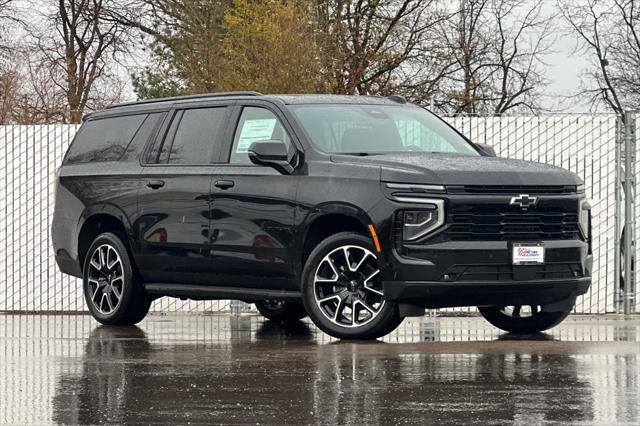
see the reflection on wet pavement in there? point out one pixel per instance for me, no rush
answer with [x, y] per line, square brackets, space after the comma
[240, 369]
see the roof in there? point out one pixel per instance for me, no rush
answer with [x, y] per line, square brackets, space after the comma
[164, 103]
[286, 98]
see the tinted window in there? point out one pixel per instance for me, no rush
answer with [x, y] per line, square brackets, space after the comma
[198, 136]
[255, 124]
[146, 131]
[103, 139]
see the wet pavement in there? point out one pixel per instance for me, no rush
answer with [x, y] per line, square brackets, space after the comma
[243, 370]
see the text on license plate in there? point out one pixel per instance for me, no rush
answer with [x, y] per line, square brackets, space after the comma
[527, 254]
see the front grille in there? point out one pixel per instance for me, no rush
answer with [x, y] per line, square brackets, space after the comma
[511, 189]
[495, 224]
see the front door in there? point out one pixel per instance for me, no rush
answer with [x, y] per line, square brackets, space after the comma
[174, 204]
[253, 208]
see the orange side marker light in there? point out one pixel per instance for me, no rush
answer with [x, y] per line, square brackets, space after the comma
[375, 238]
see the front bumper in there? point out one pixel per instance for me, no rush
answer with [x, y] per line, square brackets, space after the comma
[480, 274]
[433, 295]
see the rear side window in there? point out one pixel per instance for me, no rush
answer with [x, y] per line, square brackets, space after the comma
[145, 132]
[104, 139]
[197, 138]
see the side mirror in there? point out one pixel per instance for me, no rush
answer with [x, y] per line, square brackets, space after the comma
[486, 149]
[274, 153]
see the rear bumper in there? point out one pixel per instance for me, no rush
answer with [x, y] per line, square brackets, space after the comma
[430, 294]
[67, 264]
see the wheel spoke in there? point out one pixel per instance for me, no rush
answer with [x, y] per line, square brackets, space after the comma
[95, 264]
[333, 269]
[95, 292]
[345, 250]
[339, 308]
[102, 256]
[331, 297]
[116, 292]
[109, 302]
[366, 254]
[366, 306]
[367, 285]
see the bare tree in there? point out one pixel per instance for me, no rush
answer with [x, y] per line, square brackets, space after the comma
[80, 51]
[608, 31]
[9, 93]
[520, 49]
[497, 49]
[370, 44]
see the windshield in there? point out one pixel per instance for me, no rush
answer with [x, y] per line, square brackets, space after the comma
[376, 129]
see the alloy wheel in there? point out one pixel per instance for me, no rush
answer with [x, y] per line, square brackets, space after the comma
[347, 287]
[105, 279]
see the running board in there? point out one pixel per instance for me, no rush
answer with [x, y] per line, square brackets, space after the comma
[205, 292]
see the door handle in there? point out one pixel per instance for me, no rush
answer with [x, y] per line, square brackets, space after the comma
[155, 184]
[224, 184]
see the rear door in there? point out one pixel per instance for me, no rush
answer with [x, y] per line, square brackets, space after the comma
[174, 203]
[253, 207]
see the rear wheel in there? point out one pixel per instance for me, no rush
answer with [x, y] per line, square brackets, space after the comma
[113, 294]
[342, 289]
[279, 310]
[522, 318]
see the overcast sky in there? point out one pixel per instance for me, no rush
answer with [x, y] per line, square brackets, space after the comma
[564, 65]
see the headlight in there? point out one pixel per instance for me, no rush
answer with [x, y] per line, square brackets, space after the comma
[418, 223]
[585, 217]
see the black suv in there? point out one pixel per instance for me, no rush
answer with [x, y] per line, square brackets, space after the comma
[354, 210]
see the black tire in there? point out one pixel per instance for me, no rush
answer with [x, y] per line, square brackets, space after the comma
[103, 286]
[386, 317]
[280, 310]
[535, 323]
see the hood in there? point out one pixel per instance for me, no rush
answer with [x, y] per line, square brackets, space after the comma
[451, 169]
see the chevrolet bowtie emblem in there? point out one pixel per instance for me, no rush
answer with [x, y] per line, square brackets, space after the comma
[524, 201]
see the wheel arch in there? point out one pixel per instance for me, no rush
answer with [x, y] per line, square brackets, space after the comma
[329, 219]
[99, 219]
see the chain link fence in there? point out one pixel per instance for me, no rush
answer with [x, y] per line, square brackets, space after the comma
[29, 156]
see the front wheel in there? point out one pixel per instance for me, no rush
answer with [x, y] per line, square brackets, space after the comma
[342, 289]
[522, 318]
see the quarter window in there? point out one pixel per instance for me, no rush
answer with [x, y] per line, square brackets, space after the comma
[103, 139]
[198, 136]
[255, 124]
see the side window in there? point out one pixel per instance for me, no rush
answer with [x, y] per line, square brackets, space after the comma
[198, 136]
[255, 124]
[103, 139]
[144, 133]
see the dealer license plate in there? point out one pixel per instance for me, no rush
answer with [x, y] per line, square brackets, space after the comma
[527, 254]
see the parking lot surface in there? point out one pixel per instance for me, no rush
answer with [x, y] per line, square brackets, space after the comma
[241, 369]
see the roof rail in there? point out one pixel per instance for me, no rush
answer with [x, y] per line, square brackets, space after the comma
[397, 98]
[184, 98]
